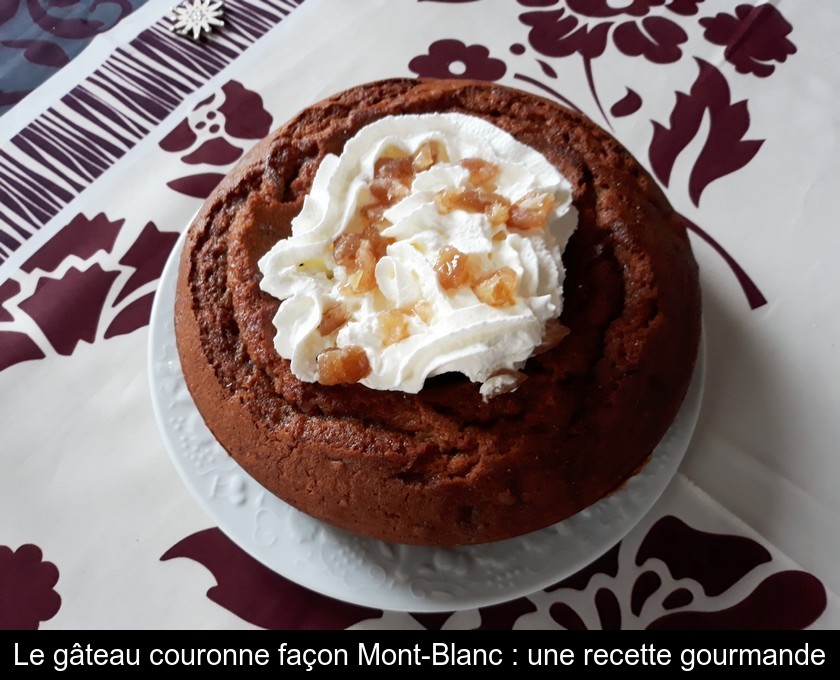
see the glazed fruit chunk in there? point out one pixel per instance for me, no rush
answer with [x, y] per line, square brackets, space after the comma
[498, 288]
[472, 199]
[453, 268]
[333, 318]
[531, 211]
[482, 173]
[359, 253]
[393, 325]
[342, 366]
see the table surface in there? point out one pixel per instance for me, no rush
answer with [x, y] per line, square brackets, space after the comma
[113, 129]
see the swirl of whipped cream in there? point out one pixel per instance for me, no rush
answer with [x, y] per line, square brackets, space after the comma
[442, 329]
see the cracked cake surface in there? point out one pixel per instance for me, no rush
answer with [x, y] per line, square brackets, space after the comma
[444, 466]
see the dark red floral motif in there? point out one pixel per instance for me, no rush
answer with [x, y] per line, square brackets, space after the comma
[606, 603]
[602, 8]
[216, 151]
[645, 586]
[133, 316]
[681, 597]
[8, 289]
[454, 59]
[608, 608]
[754, 36]
[655, 38]
[198, 186]
[258, 595]
[786, 599]
[27, 596]
[717, 562]
[636, 8]
[503, 616]
[684, 7]
[81, 236]
[566, 617]
[239, 115]
[68, 307]
[725, 149]
[584, 27]
[628, 104]
[146, 256]
[557, 33]
[16, 348]
[755, 297]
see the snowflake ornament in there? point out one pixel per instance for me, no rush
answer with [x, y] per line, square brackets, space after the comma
[197, 17]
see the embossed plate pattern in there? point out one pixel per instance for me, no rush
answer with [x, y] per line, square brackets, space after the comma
[373, 573]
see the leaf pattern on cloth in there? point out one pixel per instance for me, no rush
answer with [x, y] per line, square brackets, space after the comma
[197, 186]
[88, 282]
[8, 289]
[725, 149]
[27, 582]
[16, 347]
[216, 151]
[81, 237]
[146, 256]
[130, 318]
[619, 595]
[67, 309]
[627, 105]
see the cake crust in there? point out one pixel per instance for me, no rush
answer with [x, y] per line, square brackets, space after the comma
[442, 467]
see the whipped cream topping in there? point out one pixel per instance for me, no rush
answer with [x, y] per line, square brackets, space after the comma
[449, 287]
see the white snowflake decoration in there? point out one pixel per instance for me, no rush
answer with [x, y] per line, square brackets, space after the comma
[197, 17]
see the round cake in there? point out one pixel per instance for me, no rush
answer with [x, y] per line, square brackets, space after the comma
[444, 464]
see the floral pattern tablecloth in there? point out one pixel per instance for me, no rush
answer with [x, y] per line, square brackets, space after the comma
[733, 107]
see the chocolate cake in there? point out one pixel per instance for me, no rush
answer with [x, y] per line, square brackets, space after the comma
[446, 466]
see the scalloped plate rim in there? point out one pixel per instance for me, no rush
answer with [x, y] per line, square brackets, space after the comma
[574, 542]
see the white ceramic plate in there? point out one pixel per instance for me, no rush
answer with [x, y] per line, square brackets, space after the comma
[370, 572]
